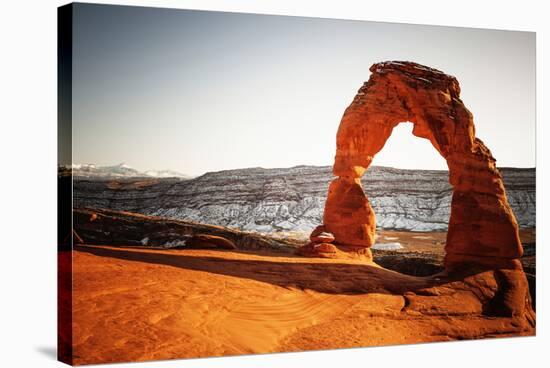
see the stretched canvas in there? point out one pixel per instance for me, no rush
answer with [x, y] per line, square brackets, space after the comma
[243, 183]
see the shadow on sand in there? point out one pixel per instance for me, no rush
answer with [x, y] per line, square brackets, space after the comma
[325, 277]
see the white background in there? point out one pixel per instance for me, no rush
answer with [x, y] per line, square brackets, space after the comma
[28, 181]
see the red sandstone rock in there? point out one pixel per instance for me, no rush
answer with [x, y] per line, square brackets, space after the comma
[318, 230]
[348, 213]
[323, 250]
[327, 250]
[320, 235]
[209, 241]
[482, 227]
[322, 238]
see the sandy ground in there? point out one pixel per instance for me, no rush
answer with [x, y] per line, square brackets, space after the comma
[135, 304]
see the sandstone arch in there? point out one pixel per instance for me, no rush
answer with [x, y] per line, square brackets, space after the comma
[482, 228]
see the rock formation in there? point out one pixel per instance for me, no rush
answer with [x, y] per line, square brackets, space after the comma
[321, 246]
[482, 228]
[115, 228]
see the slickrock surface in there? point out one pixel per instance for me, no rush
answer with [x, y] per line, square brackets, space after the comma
[136, 301]
[421, 254]
[293, 199]
[482, 227]
[144, 303]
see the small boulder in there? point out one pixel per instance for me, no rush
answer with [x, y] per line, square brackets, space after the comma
[322, 250]
[325, 248]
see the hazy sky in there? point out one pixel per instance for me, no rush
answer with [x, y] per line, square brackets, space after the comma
[206, 91]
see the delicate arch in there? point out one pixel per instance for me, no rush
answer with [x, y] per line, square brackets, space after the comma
[482, 227]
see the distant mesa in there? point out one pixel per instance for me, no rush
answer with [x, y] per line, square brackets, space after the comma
[292, 200]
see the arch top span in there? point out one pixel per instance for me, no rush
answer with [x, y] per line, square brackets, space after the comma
[482, 227]
[396, 92]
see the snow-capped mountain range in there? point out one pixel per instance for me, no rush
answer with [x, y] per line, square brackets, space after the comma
[121, 171]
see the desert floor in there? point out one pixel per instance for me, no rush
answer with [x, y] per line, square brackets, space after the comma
[135, 304]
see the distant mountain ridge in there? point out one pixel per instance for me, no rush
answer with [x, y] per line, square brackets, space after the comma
[120, 171]
[293, 199]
